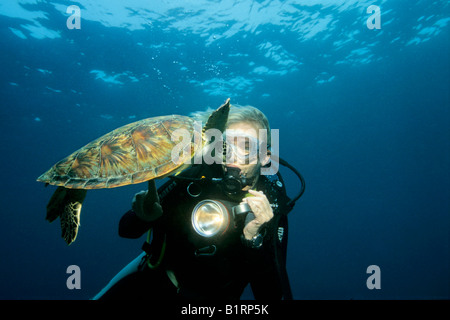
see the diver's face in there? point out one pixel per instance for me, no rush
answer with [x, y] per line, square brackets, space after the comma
[240, 137]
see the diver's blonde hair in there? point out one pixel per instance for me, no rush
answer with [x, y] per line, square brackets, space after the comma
[239, 114]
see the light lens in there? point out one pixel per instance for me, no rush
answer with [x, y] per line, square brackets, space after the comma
[209, 218]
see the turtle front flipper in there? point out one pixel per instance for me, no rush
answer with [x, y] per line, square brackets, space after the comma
[66, 204]
[218, 118]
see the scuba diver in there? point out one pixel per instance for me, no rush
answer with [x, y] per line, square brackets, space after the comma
[212, 229]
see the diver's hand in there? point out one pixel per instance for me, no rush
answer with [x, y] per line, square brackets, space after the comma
[146, 203]
[261, 209]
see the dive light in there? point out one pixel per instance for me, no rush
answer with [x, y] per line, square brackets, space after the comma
[212, 217]
[209, 218]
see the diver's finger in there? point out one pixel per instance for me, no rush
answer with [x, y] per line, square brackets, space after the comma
[138, 199]
[258, 194]
[152, 193]
[151, 185]
[140, 195]
[262, 210]
[263, 201]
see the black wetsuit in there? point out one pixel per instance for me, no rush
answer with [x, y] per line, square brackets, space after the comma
[198, 273]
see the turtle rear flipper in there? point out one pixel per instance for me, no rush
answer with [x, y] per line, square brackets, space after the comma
[70, 221]
[66, 204]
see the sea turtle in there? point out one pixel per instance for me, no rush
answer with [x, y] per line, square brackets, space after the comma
[134, 153]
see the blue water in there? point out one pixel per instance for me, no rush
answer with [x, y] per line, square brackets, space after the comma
[362, 113]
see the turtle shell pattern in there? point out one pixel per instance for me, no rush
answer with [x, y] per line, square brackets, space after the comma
[134, 153]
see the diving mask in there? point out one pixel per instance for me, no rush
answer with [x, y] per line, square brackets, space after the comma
[240, 147]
